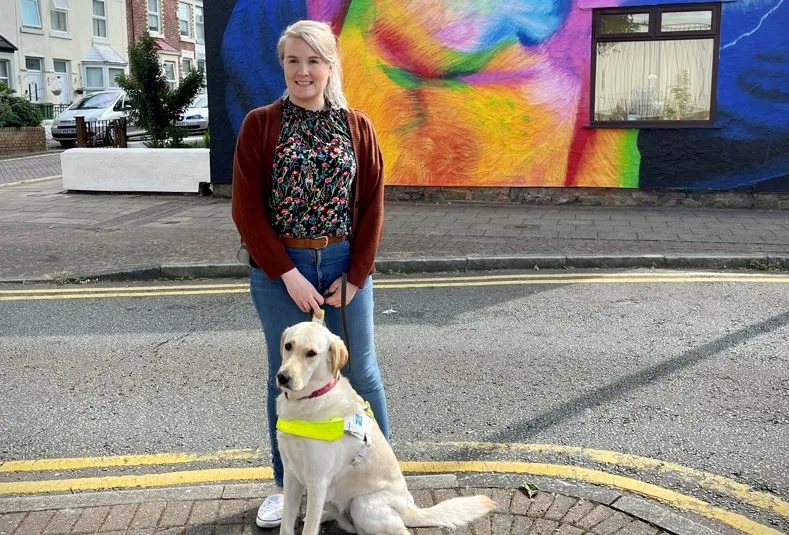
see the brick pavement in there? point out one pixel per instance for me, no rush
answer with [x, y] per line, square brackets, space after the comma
[516, 513]
[16, 168]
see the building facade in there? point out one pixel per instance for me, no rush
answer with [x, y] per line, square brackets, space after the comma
[53, 51]
[630, 94]
[178, 28]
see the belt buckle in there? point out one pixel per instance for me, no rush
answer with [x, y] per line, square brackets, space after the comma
[325, 240]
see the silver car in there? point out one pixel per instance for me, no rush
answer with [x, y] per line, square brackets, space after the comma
[101, 106]
[195, 117]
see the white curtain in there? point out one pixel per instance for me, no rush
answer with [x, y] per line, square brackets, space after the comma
[655, 80]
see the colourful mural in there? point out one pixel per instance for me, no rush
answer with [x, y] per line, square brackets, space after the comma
[496, 93]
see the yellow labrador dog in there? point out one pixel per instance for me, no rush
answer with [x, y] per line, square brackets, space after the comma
[332, 449]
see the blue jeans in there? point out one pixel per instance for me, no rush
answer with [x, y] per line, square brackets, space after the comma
[277, 311]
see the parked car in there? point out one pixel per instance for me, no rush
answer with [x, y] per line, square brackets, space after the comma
[195, 117]
[101, 106]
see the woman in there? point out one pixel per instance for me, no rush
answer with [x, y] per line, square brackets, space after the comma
[308, 204]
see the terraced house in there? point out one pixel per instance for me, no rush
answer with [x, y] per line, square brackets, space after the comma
[53, 51]
[178, 26]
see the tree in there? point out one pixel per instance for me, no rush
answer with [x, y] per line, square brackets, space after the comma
[154, 106]
[683, 99]
[17, 111]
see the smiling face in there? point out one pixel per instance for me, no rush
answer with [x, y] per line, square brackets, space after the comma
[306, 74]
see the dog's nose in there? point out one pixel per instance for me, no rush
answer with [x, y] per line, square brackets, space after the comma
[283, 378]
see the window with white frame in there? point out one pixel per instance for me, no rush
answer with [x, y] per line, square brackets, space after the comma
[99, 18]
[99, 77]
[5, 72]
[60, 66]
[184, 19]
[94, 78]
[169, 73]
[186, 66]
[58, 15]
[201, 65]
[33, 64]
[31, 15]
[113, 74]
[58, 20]
[154, 20]
[199, 25]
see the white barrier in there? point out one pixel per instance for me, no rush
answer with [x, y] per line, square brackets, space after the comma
[135, 170]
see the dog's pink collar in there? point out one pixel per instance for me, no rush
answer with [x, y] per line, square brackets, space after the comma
[322, 390]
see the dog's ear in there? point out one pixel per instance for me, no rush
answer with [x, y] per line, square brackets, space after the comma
[282, 343]
[339, 355]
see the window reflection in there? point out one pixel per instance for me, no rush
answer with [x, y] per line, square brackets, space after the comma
[625, 23]
[653, 80]
[686, 21]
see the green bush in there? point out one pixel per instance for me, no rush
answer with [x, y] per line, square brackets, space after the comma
[176, 135]
[17, 111]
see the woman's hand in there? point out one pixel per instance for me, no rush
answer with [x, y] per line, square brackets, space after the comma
[301, 291]
[334, 293]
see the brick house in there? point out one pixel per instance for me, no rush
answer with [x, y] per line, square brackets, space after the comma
[178, 28]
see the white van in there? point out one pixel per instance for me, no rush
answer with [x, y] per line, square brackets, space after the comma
[101, 106]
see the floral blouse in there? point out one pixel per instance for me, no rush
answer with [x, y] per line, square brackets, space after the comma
[314, 169]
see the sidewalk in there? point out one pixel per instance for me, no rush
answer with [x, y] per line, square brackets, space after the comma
[48, 234]
[556, 508]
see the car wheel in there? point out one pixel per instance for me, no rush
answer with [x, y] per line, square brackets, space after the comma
[67, 144]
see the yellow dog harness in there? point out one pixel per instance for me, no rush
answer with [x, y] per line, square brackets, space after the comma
[359, 424]
[327, 430]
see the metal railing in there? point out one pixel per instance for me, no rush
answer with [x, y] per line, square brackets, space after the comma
[101, 133]
[50, 111]
[58, 108]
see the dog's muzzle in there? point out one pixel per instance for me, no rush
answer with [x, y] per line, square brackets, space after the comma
[282, 379]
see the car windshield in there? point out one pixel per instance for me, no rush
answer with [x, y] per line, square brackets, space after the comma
[97, 101]
[200, 101]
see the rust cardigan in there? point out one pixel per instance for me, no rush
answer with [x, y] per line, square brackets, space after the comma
[252, 170]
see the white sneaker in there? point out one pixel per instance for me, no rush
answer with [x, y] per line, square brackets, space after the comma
[270, 511]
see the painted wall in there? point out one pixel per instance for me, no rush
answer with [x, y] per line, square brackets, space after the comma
[496, 93]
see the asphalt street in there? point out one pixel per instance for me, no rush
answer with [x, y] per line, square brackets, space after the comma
[655, 364]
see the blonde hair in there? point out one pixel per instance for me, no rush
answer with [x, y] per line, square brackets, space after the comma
[319, 36]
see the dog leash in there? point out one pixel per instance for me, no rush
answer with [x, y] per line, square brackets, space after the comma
[343, 305]
[343, 313]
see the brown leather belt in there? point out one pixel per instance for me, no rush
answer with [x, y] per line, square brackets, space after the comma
[311, 243]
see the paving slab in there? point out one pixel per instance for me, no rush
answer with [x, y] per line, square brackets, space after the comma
[50, 234]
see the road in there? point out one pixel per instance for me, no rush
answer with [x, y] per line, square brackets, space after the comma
[689, 369]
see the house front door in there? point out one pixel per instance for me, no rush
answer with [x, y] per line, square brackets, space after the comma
[61, 82]
[33, 87]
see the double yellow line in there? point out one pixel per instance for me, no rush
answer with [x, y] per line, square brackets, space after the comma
[639, 277]
[719, 484]
[36, 294]
[383, 283]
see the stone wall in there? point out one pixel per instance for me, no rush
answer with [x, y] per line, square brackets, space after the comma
[592, 197]
[22, 139]
[578, 196]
